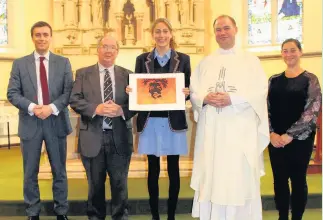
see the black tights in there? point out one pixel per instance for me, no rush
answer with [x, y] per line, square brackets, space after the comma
[174, 184]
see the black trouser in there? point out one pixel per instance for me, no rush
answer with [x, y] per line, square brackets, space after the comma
[117, 166]
[291, 162]
[174, 184]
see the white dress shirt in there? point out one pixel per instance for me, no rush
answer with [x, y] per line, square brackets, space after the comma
[39, 89]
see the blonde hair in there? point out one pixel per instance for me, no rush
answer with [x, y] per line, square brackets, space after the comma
[172, 43]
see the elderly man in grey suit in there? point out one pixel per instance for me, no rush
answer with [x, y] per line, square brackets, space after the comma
[39, 86]
[105, 137]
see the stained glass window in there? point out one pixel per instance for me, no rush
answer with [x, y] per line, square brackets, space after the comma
[259, 22]
[3, 23]
[287, 16]
[289, 20]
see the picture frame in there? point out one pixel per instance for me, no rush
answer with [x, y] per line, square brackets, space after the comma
[156, 92]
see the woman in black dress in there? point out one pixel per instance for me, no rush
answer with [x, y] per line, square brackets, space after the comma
[294, 100]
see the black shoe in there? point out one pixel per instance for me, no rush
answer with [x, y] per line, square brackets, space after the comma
[62, 217]
[33, 217]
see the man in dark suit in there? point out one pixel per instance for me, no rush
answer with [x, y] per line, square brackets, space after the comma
[39, 86]
[105, 138]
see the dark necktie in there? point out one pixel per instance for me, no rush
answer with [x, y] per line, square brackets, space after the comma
[108, 93]
[43, 81]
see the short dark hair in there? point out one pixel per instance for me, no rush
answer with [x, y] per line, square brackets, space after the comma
[226, 16]
[40, 24]
[295, 41]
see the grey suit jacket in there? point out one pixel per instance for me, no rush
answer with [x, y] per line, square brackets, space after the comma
[86, 96]
[22, 90]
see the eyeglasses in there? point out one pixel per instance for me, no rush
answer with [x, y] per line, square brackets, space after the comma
[108, 47]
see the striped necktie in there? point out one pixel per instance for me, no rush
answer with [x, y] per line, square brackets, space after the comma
[108, 93]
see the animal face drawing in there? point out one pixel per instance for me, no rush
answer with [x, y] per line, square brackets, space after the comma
[155, 87]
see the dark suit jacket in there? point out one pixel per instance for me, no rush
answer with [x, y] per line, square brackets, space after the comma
[22, 90]
[86, 96]
[179, 62]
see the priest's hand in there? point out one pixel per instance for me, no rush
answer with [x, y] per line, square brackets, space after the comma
[286, 139]
[222, 99]
[186, 91]
[276, 140]
[128, 89]
[210, 99]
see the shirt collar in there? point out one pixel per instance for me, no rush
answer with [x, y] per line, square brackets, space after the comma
[102, 68]
[229, 51]
[167, 54]
[37, 55]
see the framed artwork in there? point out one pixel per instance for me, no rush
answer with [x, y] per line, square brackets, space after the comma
[156, 92]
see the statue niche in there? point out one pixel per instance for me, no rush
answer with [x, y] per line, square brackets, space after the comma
[129, 25]
[100, 13]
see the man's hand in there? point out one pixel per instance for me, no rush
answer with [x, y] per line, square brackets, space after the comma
[218, 99]
[37, 110]
[276, 140]
[109, 109]
[186, 91]
[286, 139]
[100, 109]
[46, 111]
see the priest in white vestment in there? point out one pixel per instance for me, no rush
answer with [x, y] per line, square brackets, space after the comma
[228, 94]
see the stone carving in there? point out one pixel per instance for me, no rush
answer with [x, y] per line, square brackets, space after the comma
[72, 35]
[129, 31]
[97, 13]
[184, 12]
[81, 22]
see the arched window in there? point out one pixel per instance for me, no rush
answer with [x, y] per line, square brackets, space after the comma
[270, 22]
[3, 23]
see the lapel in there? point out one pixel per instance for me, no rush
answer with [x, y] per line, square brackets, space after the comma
[94, 78]
[150, 62]
[174, 62]
[51, 71]
[173, 66]
[31, 67]
[118, 83]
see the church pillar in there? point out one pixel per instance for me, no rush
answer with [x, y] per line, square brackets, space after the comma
[119, 17]
[70, 14]
[172, 13]
[198, 7]
[85, 14]
[140, 32]
[191, 9]
[58, 14]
